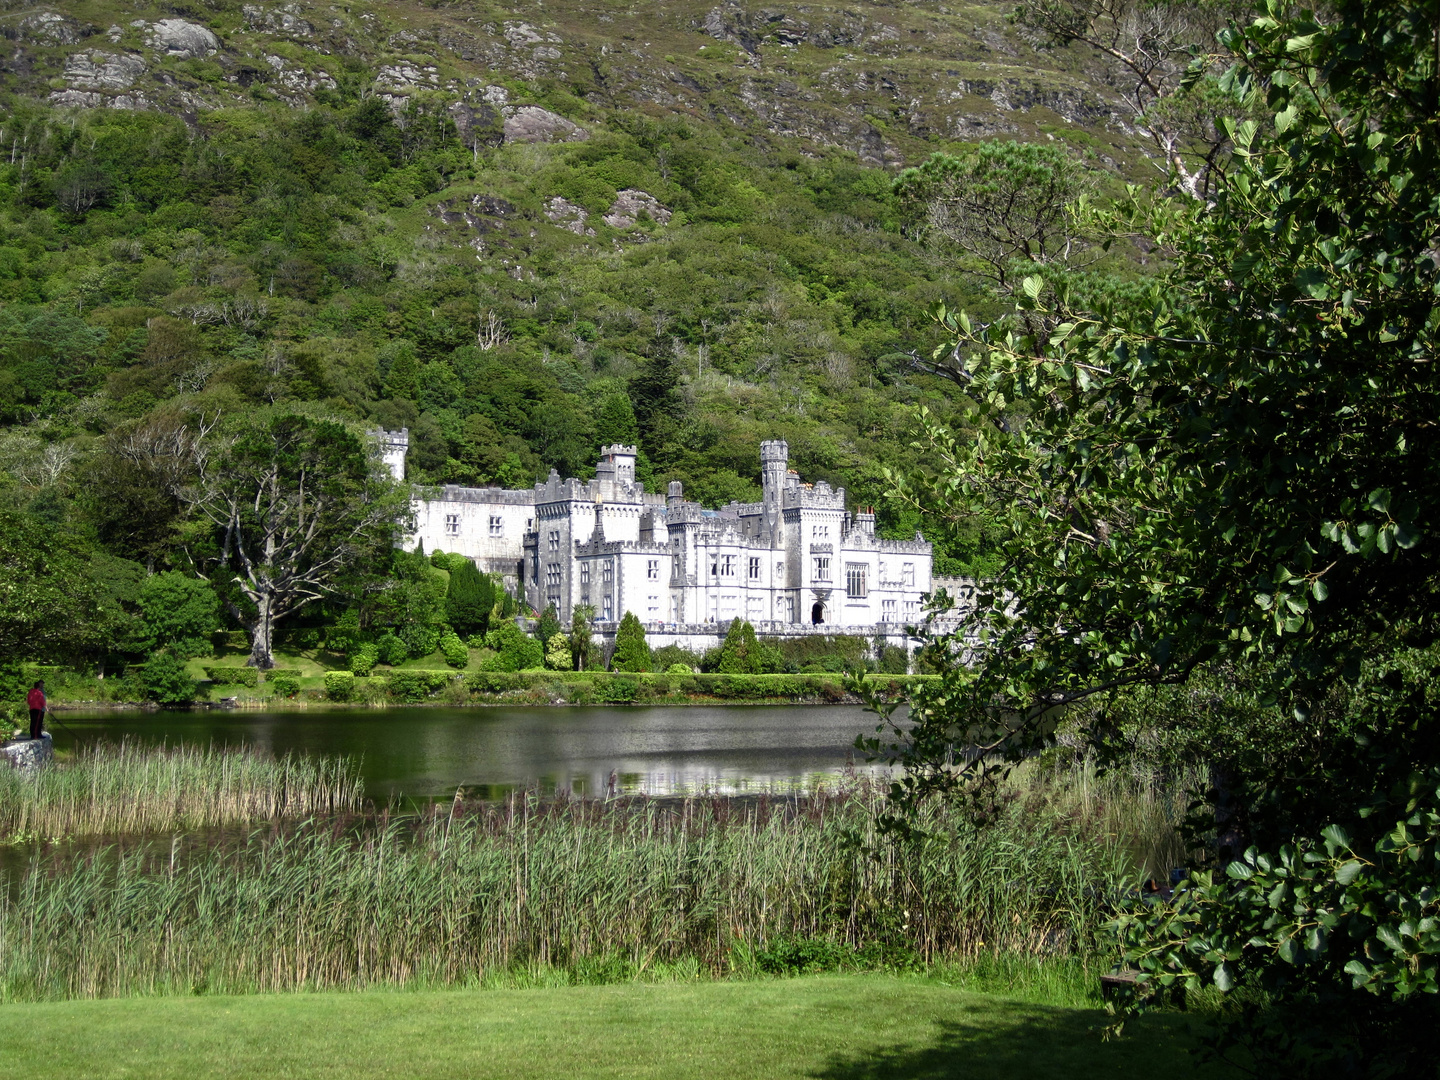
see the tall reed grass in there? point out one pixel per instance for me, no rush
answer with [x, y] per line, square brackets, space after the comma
[468, 891]
[110, 789]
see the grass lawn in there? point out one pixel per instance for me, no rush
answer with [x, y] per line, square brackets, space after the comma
[858, 1027]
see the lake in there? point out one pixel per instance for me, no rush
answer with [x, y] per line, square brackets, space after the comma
[427, 753]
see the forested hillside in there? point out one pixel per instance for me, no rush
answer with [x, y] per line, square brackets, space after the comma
[520, 232]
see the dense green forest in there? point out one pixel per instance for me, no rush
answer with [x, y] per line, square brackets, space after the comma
[215, 213]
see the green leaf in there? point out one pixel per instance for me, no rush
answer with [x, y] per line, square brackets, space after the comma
[1349, 871]
[1225, 978]
[1033, 286]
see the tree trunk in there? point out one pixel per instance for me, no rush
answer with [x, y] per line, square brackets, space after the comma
[261, 628]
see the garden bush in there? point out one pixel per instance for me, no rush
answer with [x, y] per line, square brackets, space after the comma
[233, 676]
[163, 679]
[363, 659]
[391, 650]
[416, 684]
[339, 685]
[456, 653]
[282, 673]
[284, 685]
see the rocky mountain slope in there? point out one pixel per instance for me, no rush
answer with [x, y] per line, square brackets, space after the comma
[884, 80]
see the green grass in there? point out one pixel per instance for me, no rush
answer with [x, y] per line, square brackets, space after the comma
[867, 1027]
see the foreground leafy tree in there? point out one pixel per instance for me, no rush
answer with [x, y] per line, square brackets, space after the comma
[632, 651]
[1241, 470]
[287, 509]
[740, 652]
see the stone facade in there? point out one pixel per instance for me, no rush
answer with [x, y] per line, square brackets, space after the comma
[795, 563]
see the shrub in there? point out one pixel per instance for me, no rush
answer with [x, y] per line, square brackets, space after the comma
[514, 650]
[362, 660]
[632, 652]
[616, 691]
[391, 650]
[803, 956]
[163, 679]
[339, 685]
[233, 676]
[557, 652]
[457, 655]
[421, 639]
[284, 685]
[345, 636]
[680, 669]
[415, 685]
[282, 673]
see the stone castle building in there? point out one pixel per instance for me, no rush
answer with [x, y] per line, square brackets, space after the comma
[796, 562]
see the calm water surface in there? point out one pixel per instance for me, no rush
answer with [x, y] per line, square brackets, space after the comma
[428, 753]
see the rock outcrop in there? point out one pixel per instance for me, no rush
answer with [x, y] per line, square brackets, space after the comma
[28, 754]
[181, 39]
[532, 124]
[567, 215]
[630, 204]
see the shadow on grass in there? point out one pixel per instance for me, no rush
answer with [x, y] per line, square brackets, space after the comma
[1033, 1041]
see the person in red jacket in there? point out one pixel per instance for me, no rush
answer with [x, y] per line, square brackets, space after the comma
[36, 700]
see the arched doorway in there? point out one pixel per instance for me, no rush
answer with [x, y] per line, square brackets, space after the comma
[817, 613]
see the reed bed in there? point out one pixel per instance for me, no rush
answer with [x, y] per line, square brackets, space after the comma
[110, 789]
[467, 892]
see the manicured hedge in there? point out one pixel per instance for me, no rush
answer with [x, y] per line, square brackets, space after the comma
[233, 676]
[282, 673]
[615, 687]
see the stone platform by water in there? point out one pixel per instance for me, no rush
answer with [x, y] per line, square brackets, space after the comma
[27, 754]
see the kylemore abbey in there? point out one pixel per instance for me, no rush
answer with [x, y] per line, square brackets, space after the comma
[796, 562]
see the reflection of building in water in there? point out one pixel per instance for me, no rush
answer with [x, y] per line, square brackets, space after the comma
[796, 562]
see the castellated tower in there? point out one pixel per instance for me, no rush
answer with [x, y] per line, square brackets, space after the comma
[617, 464]
[774, 460]
[393, 445]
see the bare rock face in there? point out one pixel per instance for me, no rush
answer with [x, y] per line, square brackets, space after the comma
[176, 37]
[629, 204]
[52, 28]
[28, 754]
[284, 20]
[568, 216]
[532, 124]
[103, 71]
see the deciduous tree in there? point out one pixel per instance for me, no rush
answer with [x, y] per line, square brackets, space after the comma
[286, 508]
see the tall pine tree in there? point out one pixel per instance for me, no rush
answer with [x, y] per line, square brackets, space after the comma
[469, 600]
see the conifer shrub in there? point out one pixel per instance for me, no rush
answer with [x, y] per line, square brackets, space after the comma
[549, 625]
[740, 652]
[632, 651]
[469, 598]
